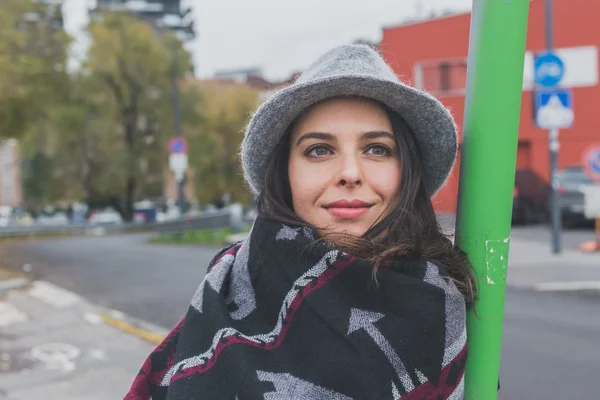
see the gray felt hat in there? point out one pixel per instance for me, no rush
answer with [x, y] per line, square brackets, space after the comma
[352, 70]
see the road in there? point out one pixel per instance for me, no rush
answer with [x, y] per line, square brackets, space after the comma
[550, 340]
[550, 346]
[125, 273]
[570, 239]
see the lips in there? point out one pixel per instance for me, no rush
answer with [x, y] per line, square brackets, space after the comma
[348, 204]
[346, 209]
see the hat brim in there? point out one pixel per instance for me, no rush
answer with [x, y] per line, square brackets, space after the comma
[431, 123]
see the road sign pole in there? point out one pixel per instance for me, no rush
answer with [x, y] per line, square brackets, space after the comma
[549, 26]
[177, 122]
[553, 147]
[487, 174]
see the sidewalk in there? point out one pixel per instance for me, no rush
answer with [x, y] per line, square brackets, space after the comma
[532, 265]
[56, 345]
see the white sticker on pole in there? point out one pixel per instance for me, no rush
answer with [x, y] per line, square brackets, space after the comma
[178, 163]
[496, 260]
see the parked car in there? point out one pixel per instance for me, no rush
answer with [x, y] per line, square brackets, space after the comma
[571, 181]
[107, 216]
[530, 198]
[57, 218]
[6, 216]
[144, 212]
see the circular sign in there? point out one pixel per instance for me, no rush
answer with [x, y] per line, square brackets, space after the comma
[549, 69]
[177, 145]
[591, 162]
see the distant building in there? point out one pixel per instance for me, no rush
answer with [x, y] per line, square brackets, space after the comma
[254, 78]
[162, 14]
[270, 88]
[432, 55]
[47, 10]
[240, 75]
[149, 8]
[11, 193]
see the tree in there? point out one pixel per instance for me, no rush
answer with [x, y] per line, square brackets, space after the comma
[131, 61]
[33, 57]
[215, 143]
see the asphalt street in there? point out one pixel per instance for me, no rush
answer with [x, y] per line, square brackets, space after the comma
[550, 341]
[125, 273]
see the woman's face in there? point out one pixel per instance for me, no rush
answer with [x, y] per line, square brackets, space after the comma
[344, 166]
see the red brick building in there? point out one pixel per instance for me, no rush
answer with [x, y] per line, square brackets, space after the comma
[432, 55]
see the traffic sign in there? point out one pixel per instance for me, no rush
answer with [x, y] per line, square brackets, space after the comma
[549, 69]
[178, 163]
[554, 109]
[591, 162]
[177, 145]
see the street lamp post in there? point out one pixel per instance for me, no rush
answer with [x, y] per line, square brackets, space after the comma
[177, 123]
[185, 32]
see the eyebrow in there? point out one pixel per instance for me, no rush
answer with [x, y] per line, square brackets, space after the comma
[377, 135]
[315, 135]
[328, 136]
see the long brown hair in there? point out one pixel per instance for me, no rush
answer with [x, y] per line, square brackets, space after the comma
[409, 230]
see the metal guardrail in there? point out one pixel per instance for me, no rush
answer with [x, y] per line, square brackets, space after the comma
[220, 219]
[214, 219]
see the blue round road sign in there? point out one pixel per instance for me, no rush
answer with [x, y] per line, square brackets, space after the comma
[591, 162]
[177, 145]
[549, 69]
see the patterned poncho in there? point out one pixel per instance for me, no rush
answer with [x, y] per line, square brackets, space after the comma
[280, 316]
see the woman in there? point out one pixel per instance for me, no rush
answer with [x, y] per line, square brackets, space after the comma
[346, 288]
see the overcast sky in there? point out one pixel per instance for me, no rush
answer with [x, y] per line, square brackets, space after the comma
[280, 37]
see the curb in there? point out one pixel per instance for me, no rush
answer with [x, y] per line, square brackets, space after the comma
[116, 319]
[13, 284]
[143, 330]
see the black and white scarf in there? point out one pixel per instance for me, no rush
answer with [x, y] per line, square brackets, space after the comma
[279, 318]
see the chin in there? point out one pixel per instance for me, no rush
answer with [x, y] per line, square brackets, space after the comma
[349, 229]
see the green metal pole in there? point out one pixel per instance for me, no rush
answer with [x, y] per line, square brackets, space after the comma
[488, 162]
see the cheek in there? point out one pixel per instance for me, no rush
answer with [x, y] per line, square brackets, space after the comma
[306, 184]
[385, 180]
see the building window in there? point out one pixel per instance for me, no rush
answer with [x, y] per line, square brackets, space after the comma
[444, 71]
[442, 78]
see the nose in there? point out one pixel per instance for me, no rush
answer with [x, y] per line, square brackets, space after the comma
[350, 172]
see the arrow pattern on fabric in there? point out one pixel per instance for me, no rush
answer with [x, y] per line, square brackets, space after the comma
[360, 319]
[288, 387]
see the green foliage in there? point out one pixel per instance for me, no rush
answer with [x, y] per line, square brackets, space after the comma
[215, 143]
[106, 140]
[100, 134]
[205, 237]
[33, 57]
[130, 63]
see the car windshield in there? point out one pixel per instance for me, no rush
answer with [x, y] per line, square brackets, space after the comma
[573, 175]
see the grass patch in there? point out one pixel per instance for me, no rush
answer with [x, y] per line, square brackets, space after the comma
[205, 237]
